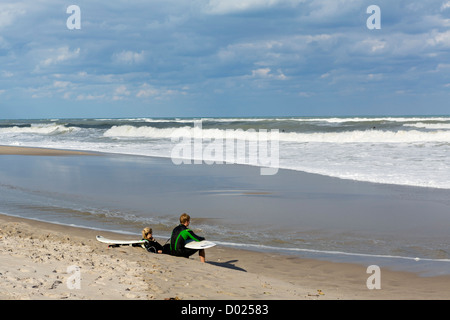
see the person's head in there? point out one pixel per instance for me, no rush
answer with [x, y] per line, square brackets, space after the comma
[147, 233]
[185, 219]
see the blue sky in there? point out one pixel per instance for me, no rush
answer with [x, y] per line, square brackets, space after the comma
[223, 58]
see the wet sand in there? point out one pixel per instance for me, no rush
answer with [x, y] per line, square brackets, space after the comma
[5, 150]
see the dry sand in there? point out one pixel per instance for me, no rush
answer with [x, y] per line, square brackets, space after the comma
[35, 258]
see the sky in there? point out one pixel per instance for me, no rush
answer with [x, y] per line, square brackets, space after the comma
[195, 58]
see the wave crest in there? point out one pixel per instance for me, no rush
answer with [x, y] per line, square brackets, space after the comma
[50, 129]
[357, 136]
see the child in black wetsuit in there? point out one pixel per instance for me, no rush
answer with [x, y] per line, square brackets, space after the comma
[151, 244]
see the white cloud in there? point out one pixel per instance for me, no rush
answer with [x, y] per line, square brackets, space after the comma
[239, 50]
[375, 76]
[231, 6]
[41, 92]
[7, 74]
[442, 67]
[9, 13]
[305, 43]
[274, 51]
[370, 46]
[61, 84]
[58, 55]
[440, 38]
[261, 73]
[445, 6]
[265, 73]
[129, 57]
[121, 92]
[327, 9]
[147, 91]
[306, 94]
[82, 97]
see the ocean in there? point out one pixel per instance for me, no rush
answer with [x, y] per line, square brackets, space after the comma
[345, 188]
[412, 151]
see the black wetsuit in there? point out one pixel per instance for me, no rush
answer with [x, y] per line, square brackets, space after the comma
[153, 246]
[178, 240]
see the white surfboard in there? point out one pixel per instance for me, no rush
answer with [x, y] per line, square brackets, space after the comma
[205, 244]
[191, 244]
[119, 242]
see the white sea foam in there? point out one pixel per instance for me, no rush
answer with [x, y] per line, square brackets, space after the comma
[434, 126]
[129, 131]
[357, 136]
[368, 136]
[365, 119]
[399, 150]
[38, 129]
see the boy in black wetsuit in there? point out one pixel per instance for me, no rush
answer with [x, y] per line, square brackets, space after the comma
[179, 236]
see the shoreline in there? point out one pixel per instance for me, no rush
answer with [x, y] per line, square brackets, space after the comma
[36, 256]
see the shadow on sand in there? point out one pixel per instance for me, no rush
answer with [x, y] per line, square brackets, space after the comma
[227, 264]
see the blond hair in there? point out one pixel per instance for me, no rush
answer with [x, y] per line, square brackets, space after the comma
[184, 217]
[146, 231]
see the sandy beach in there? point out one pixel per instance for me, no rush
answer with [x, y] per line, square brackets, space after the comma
[49, 261]
[36, 258]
